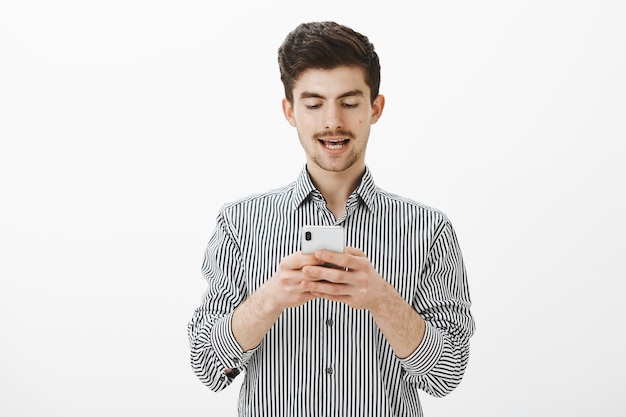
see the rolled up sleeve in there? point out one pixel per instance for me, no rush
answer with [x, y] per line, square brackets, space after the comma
[213, 348]
[443, 300]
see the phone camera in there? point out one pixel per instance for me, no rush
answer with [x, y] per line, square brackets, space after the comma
[307, 235]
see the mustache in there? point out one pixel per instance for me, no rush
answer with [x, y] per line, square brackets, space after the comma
[338, 132]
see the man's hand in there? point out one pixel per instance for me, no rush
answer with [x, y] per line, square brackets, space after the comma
[284, 289]
[355, 282]
[253, 319]
[358, 285]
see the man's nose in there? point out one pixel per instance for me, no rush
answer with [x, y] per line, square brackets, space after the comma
[332, 117]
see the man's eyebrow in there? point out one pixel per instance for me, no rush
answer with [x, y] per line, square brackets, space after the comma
[351, 93]
[306, 94]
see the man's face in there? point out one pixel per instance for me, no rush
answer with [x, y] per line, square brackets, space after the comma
[333, 114]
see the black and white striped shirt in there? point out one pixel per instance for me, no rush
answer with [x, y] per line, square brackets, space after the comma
[325, 358]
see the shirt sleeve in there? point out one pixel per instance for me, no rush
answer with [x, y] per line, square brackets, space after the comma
[212, 344]
[443, 300]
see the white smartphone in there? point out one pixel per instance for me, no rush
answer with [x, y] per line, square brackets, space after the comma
[314, 238]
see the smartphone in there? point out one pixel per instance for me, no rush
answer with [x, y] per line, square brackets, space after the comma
[314, 238]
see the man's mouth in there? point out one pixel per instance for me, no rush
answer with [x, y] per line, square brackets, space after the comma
[334, 144]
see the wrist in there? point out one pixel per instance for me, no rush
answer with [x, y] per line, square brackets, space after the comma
[386, 301]
[265, 304]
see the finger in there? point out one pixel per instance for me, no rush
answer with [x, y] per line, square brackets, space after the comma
[354, 251]
[314, 273]
[324, 273]
[297, 260]
[337, 259]
[325, 289]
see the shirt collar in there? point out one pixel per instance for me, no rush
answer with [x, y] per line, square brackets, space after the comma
[365, 192]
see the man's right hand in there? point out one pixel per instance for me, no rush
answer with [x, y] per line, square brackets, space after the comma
[253, 319]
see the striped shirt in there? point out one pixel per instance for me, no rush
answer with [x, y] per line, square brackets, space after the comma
[325, 358]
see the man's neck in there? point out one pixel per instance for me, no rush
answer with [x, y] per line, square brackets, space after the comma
[336, 187]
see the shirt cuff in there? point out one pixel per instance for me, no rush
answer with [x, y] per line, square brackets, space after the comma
[226, 348]
[427, 354]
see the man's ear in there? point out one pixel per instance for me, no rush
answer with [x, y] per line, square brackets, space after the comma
[288, 112]
[377, 108]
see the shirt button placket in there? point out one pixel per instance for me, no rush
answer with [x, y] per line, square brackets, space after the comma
[330, 339]
[331, 359]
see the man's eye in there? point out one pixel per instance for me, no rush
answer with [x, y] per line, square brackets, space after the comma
[314, 106]
[350, 105]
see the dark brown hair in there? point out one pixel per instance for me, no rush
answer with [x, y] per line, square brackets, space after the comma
[326, 45]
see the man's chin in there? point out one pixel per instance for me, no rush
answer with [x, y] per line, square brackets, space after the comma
[337, 167]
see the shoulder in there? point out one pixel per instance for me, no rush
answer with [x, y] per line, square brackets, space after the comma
[391, 204]
[272, 200]
[406, 205]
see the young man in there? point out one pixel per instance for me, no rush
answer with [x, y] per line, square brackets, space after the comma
[359, 340]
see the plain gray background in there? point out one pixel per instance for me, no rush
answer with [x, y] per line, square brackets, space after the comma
[125, 125]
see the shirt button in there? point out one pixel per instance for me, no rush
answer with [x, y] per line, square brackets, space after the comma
[329, 371]
[329, 322]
